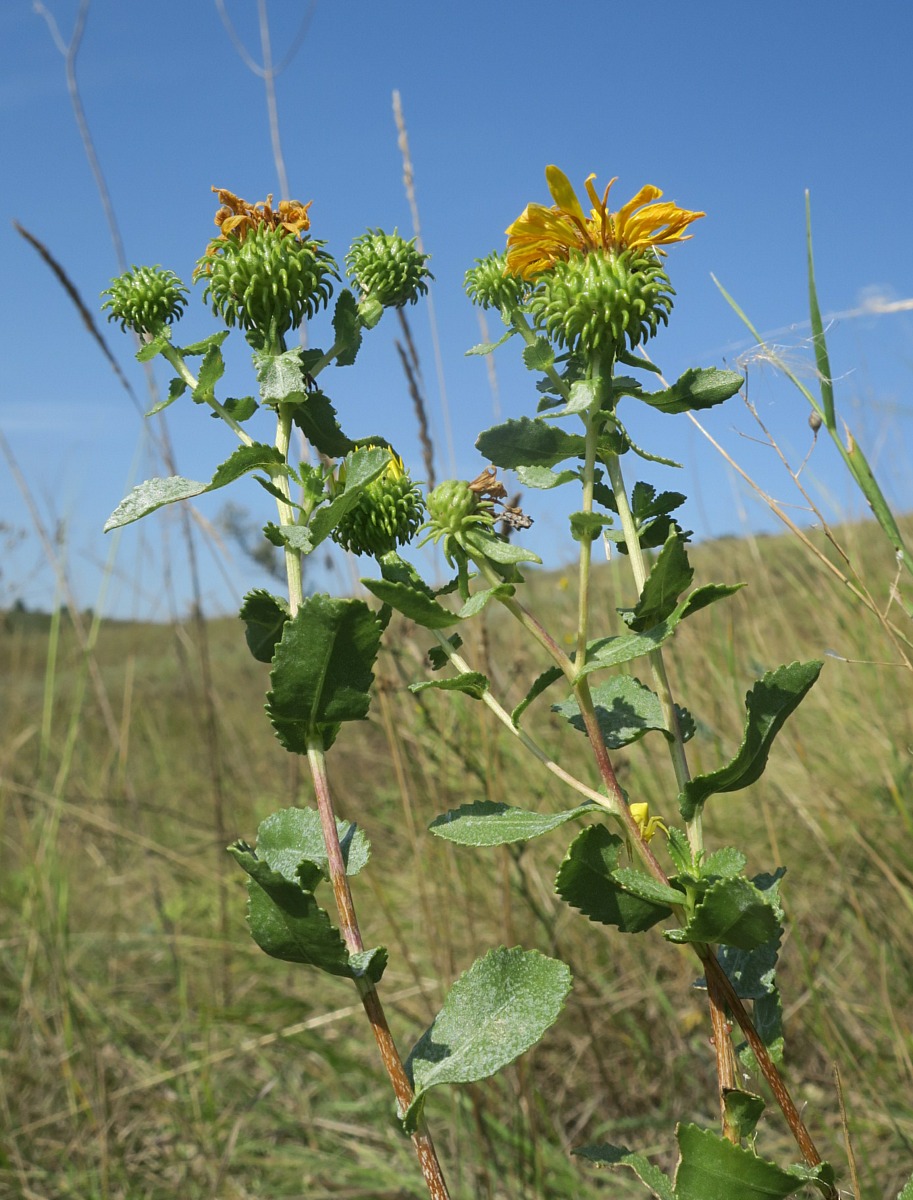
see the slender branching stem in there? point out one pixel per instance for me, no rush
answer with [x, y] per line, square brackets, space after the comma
[656, 660]
[348, 922]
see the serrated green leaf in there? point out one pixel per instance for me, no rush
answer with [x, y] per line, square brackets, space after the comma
[605, 1154]
[732, 912]
[528, 442]
[646, 887]
[176, 388]
[478, 600]
[584, 397]
[612, 651]
[315, 416]
[494, 1012]
[490, 347]
[438, 657]
[298, 537]
[156, 493]
[347, 327]
[543, 478]
[588, 525]
[264, 616]
[363, 466]
[150, 349]
[726, 862]
[712, 1168]
[286, 921]
[212, 368]
[680, 851]
[645, 503]
[412, 603]
[767, 1016]
[287, 838]
[698, 388]
[670, 575]
[768, 705]
[195, 349]
[625, 711]
[539, 356]
[470, 683]
[545, 680]
[489, 545]
[239, 408]
[493, 824]
[280, 376]
[906, 1193]
[743, 1110]
[322, 670]
[585, 882]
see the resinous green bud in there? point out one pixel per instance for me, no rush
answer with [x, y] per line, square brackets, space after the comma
[595, 301]
[267, 283]
[490, 285]
[388, 269]
[146, 299]
[387, 514]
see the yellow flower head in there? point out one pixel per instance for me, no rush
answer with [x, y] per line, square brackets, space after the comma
[542, 236]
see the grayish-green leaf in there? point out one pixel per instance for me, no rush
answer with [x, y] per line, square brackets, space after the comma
[539, 356]
[291, 836]
[699, 387]
[493, 1013]
[155, 493]
[529, 442]
[544, 478]
[493, 824]
[478, 600]
[625, 711]
[646, 887]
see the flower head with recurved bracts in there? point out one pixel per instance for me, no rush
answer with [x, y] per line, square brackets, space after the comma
[263, 272]
[541, 237]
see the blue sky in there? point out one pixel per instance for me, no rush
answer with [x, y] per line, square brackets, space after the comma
[731, 108]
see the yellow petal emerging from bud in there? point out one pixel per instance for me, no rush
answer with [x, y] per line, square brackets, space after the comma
[542, 236]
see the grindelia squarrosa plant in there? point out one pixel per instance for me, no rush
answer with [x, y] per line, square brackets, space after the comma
[579, 290]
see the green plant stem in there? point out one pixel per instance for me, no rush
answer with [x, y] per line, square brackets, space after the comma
[172, 355]
[586, 542]
[293, 569]
[609, 803]
[393, 1064]
[348, 921]
[657, 662]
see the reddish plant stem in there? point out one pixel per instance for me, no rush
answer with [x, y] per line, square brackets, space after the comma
[713, 971]
[725, 1055]
[393, 1064]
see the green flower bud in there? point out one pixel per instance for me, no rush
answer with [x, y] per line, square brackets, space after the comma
[146, 299]
[490, 285]
[454, 508]
[267, 282]
[386, 515]
[596, 300]
[387, 268]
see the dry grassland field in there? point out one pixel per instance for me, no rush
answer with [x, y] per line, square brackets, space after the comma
[151, 1051]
